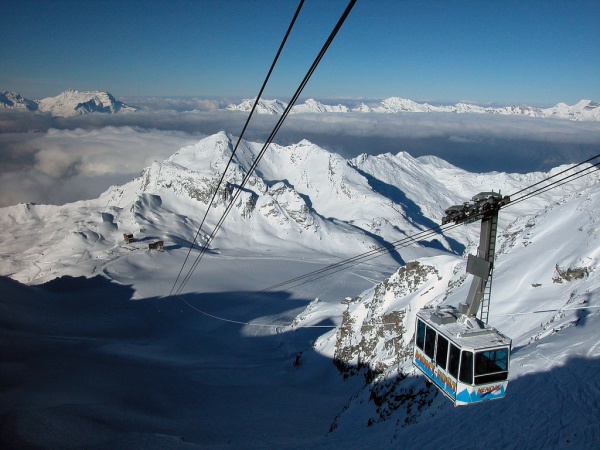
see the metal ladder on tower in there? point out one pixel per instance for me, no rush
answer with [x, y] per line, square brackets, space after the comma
[487, 292]
[485, 303]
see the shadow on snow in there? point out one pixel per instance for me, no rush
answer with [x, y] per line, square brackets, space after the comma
[81, 359]
[83, 364]
[412, 212]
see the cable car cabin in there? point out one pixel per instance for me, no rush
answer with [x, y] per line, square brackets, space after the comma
[465, 358]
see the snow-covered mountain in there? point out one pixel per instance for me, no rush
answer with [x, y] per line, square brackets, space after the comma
[73, 102]
[276, 107]
[12, 100]
[273, 107]
[313, 106]
[303, 208]
[583, 110]
[301, 197]
[68, 103]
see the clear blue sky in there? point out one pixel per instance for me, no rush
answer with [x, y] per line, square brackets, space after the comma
[539, 53]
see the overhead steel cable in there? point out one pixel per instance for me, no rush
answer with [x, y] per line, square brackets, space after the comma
[557, 174]
[309, 278]
[559, 183]
[327, 271]
[566, 179]
[371, 253]
[238, 141]
[345, 264]
[358, 259]
[374, 253]
[267, 143]
[268, 325]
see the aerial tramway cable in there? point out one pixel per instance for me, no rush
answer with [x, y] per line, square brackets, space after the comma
[238, 141]
[374, 253]
[556, 174]
[342, 265]
[250, 171]
[559, 182]
[351, 262]
[354, 261]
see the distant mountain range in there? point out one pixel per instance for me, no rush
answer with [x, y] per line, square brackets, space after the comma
[583, 110]
[73, 102]
[69, 103]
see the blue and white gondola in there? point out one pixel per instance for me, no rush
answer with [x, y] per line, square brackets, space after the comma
[467, 359]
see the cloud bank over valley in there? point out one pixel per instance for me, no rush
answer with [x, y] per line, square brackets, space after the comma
[45, 159]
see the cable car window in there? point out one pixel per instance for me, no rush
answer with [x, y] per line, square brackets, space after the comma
[466, 367]
[430, 342]
[420, 334]
[491, 366]
[454, 359]
[441, 354]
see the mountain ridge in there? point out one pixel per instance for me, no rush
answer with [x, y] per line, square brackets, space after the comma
[583, 110]
[68, 103]
[72, 102]
[301, 197]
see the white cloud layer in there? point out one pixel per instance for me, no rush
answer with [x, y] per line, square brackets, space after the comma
[57, 160]
[59, 166]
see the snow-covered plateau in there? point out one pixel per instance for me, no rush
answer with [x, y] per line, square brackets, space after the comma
[95, 354]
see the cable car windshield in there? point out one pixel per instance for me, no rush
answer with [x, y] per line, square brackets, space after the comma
[491, 366]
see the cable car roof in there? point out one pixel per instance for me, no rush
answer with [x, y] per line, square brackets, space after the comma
[469, 333]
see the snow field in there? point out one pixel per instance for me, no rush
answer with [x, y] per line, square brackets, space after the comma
[83, 364]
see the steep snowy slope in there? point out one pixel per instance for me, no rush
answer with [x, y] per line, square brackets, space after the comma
[545, 296]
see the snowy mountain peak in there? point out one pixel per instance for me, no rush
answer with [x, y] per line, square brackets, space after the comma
[272, 107]
[348, 205]
[397, 104]
[313, 106]
[12, 100]
[213, 153]
[277, 107]
[362, 108]
[73, 102]
[583, 110]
